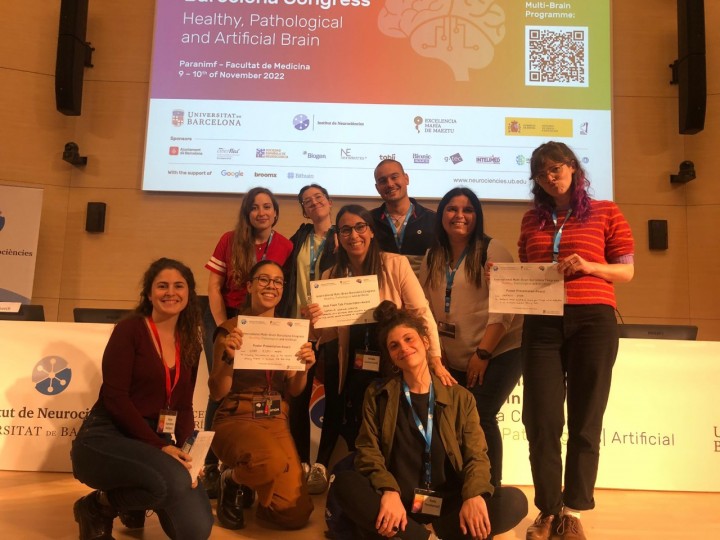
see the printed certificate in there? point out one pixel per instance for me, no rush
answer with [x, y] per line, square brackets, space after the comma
[530, 288]
[345, 301]
[271, 343]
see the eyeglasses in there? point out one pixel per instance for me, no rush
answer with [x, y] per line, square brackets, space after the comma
[264, 281]
[312, 201]
[360, 227]
[554, 171]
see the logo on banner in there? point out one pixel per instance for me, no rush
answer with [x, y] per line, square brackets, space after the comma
[51, 375]
[178, 117]
[317, 404]
[301, 122]
[2, 221]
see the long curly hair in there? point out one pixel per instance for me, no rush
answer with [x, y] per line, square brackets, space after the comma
[373, 260]
[243, 246]
[189, 324]
[546, 155]
[439, 255]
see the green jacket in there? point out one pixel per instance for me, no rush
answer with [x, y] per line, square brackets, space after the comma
[458, 424]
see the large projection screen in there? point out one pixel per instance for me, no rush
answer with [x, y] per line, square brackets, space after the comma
[283, 93]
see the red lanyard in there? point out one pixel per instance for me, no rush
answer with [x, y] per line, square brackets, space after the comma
[168, 387]
[268, 376]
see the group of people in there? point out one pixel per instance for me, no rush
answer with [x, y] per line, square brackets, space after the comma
[415, 394]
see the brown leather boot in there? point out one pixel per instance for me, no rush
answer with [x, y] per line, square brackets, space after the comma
[541, 529]
[570, 528]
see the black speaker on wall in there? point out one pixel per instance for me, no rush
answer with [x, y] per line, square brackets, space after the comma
[689, 68]
[95, 218]
[73, 55]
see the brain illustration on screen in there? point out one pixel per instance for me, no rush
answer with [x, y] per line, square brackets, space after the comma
[461, 33]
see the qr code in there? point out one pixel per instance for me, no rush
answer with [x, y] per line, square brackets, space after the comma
[556, 56]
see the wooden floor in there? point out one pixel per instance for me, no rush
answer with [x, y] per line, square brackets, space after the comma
[35, 506]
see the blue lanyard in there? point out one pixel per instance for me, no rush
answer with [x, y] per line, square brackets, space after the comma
[399, 237]
[267, 246]
[450, 278]
[313, 257]
[558, 233]
[426, 434]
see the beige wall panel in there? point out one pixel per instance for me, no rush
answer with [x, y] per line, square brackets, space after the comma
[33, 133]
[644, 43]
[113, 135]
[29, 30]
[660, 285]
[647, 149]
[121, 32]
[703, 149]
[708, 329]
[703, 261]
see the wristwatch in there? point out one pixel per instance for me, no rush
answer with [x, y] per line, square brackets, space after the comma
[482, 354]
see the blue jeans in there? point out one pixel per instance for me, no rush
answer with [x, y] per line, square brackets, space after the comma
[137, 476]
[571, 356]
[501, 376]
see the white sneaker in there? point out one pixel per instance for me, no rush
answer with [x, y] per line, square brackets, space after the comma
[317, 480]
[305, 469]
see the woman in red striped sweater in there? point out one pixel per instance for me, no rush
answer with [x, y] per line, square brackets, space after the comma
[571, 355]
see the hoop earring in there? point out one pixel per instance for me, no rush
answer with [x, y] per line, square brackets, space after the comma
[395, 369]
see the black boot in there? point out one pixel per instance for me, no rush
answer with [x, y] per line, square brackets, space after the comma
[248, 497]
[95, 519]
[132, 519]
[211, 480]
[230, 502]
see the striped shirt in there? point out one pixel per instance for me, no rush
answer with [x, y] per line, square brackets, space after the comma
[603, 238]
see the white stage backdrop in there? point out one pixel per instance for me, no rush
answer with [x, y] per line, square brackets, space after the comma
[662, 426]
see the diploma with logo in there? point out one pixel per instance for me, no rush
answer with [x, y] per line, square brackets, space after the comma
[345, 301]
[271, 343]
[530, 288]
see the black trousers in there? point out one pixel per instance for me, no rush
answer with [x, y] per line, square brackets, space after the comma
[361, 504]
[567, 357]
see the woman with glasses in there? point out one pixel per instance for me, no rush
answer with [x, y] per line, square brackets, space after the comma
[569, 357]
[358, 349]
[255, 442]
[252, 240]
[482, 349]
[314, 247]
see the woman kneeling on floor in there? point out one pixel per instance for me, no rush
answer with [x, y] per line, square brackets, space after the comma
[255, 443]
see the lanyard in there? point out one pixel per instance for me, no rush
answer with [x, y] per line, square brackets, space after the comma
[313, 257]
[267, 246]
[426, 434]
[268, 378]
[558, 233]
[399, 237]
[450, 278]
[168, 387]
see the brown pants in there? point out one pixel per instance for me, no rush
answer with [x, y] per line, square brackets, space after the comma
[263, 456]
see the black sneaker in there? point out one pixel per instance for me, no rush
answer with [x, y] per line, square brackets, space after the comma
[95, 520]
[211, 480]
[132, 519]
[230, 502]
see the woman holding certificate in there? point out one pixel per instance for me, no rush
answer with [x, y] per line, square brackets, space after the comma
[481, 349]
[358, 348]
[421, 470]
[314, 247]
[252, 436]
[125, 448]
[252, 240]
[570, 355]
